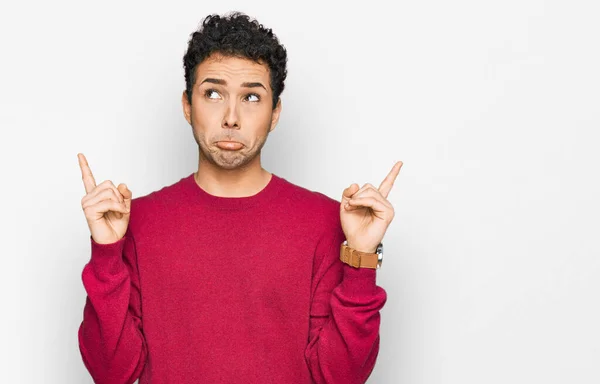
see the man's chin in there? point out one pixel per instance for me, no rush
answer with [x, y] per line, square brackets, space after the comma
[230, 160]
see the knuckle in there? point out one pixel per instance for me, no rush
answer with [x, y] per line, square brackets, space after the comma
[118, 195]
[110, 193]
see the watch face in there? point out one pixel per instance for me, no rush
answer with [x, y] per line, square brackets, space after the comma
[379, 255]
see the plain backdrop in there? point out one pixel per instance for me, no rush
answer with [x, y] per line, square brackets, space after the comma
[492, 260]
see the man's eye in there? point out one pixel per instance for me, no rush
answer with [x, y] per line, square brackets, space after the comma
[209, 92]
[253, 95]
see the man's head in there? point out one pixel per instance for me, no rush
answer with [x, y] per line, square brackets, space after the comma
[234, 72]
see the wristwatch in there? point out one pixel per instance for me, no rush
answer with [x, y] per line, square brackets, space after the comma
[358, 259]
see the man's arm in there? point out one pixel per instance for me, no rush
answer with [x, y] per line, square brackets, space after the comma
[111, 341]
[344, 316]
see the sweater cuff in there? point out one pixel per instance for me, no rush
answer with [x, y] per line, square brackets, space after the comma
[107, 258]
[359, 281]
[107, 250]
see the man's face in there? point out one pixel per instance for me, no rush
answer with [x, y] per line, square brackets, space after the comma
[231, 101]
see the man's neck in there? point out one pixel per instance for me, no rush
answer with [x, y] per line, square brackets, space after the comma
[234, 183]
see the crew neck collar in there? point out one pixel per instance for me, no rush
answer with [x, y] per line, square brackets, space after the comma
[219, 202]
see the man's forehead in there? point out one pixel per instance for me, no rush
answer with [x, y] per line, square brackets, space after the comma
[230, 66]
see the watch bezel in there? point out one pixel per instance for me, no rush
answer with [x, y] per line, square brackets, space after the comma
[379, 255]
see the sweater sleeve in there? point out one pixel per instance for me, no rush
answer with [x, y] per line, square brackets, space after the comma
[111, 341]
[344, 317]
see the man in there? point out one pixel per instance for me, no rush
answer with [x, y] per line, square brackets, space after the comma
[232, 274]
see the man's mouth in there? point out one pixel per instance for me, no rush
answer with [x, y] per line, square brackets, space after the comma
[229, 145]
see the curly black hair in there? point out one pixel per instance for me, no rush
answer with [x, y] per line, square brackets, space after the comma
[239, 36]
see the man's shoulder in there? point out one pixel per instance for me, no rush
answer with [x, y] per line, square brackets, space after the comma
[319, 214]
[313, 201]
[311, 196]
[159, 197]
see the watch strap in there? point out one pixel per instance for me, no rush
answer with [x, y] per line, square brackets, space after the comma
[358, 259]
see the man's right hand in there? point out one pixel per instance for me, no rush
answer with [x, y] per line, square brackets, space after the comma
[106, 207]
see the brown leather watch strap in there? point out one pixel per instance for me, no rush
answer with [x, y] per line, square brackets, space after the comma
[358, 259]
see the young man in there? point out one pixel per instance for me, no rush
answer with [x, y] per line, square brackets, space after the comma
[232, 274]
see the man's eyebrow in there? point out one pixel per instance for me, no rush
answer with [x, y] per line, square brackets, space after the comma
[253, 85]
[223, 82]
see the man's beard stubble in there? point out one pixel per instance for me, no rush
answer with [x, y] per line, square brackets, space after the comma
[228, 159]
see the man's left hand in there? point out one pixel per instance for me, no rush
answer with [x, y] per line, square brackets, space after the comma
[366, 213]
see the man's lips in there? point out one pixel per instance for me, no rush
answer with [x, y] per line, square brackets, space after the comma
[229, 145]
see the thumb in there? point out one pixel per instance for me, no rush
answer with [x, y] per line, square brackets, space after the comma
[126, 195]
[348, 192]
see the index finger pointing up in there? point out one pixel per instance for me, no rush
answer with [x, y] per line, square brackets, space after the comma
[86, 174]
[388, 182]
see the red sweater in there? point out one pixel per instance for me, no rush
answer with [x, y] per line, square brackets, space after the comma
[210, 289]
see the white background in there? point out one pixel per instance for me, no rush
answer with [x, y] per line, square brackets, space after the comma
[492, 261]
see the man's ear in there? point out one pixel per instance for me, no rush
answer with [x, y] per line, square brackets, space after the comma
[187, 108]
[275, 115]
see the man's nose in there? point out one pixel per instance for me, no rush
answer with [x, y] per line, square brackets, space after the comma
[231, 118]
